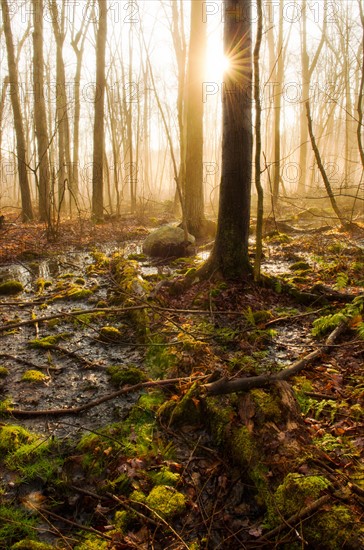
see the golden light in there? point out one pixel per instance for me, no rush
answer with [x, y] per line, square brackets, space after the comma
[216, 63]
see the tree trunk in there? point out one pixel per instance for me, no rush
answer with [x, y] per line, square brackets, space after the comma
[27, 210]
[98, 138]
[194, 199]
[40, 116]
[230, 253]
[277, 109]
[258, 146]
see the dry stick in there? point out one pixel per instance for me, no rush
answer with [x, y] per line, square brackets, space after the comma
[296, 517]
[108, 397]
[244, 384]
[27, 363]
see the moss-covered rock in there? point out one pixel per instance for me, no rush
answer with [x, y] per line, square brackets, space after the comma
[110, 334]
[168, 242]
[3, 372]
[9, 288]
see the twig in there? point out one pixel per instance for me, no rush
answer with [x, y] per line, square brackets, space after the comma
[27, 363]
[73, 523]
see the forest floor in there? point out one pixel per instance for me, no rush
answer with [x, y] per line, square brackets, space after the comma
[115, 432]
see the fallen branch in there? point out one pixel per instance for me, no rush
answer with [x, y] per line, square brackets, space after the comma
[27, 363]
[224, 385]
[95, 402]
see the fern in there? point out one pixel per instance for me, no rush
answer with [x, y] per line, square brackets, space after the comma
[341, 281]
[328, 322]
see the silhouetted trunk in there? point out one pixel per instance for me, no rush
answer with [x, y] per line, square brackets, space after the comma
[40, 116]
[360, 126]
[258, 146]
[98, 140]
[230, 253]
[194, 199]
[27, 211]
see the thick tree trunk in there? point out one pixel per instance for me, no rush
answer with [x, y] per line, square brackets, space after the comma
[40, 115]
[27, 210]
[194, 199]
[230, 253]
[98, 153]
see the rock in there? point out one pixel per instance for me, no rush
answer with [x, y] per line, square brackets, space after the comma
[168, 242]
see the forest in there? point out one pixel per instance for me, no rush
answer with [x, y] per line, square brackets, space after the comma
[181, 274]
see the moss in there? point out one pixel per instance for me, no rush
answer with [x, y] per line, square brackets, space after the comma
[122, 520]
[243, 447]
[3, 372]
[12, 437]
[15, 525]
[110, 334]
[80, 281]
[9, 288]
[266, 403]
[42, 284]
[164, 477]
[187, 410]
[300, 266]
[120, 374]
[293, 494]
[261, 316]
[333, 529]
[48, 341]
[92, 542]
[219, 415]
[78, 293]
[34, 376]
[27, 544]
[165, 501]
[138, 257]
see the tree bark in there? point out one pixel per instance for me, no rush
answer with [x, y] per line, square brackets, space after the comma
[194, 199]
[40, 116]
[98, 138]
[230, 253]
[27, 210]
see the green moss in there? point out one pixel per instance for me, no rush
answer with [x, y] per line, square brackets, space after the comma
[42, 284]
[300, 266]
[160, 359]
[120, 374]
[219, 414]
[8, 288]
[243, 447]
[165, 501]
[27, 544]
[185, 411]
[15, 525]
[12, 437]
[34, 376]
[266, 403]
[138, 257]
[48, 341]
[164, 477]
[110, 334]
[293, 494]
[3, 372]
[334, 529]
[122, 520]
[78, 293]
[92, 542]
[80, 281]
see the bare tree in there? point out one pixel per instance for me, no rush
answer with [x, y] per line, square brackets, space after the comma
[40, 116]
[98, 139]
[27, 210]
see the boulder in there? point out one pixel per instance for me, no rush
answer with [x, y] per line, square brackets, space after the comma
[168, 242]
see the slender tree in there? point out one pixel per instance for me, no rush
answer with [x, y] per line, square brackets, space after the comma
[230, 253]
[98, 140]
[193, 191]
[40, 116]
[258, 145]
[27, 210]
